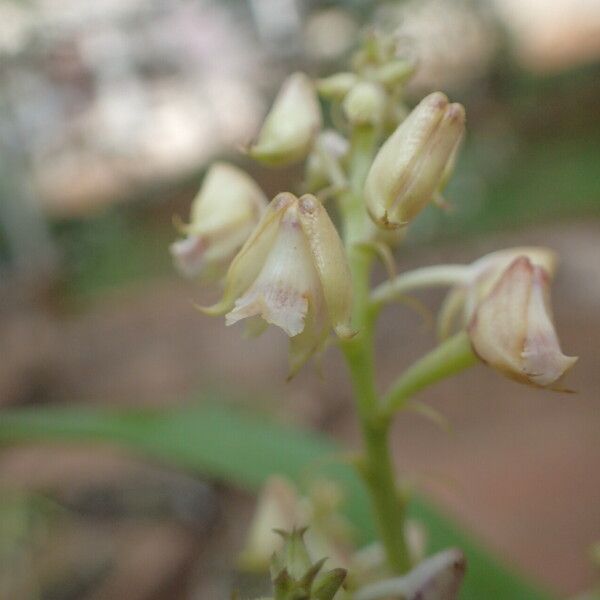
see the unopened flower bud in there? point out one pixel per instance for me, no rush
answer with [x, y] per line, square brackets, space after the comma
[289, 130]
[293, 557]
[512, 329]
[278, 507]
[296, 576]
[330, 145]
[293, 273]
[327, 585]
[223, 214]
[337, 86]
[395, 73]
[410, 166]
[365, 104]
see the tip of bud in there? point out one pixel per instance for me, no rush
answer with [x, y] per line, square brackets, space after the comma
[456, 112]
[308, 204]
[283, 200]
[437, 100]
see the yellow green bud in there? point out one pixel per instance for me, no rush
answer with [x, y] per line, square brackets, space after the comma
[337, 86]
[290, 127]
[411, 164]
[365, 104]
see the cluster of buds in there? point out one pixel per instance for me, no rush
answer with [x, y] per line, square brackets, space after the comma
[372, 93]
[296, 577]
[281, 508]
[283, 263]
[295, 555]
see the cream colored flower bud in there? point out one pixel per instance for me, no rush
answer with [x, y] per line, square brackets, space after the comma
[223, 214]
[293, 273]
[365, 104]
[395, 72]
[411, 164]
[289, 130]
[278, 507]
[512, 330]
[337, 86]
[330, 145]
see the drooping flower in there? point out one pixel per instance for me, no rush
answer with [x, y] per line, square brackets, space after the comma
[223, 214]
[412, 164]
[478, 279]
[293, 273]
[291, 126]
[512, 330]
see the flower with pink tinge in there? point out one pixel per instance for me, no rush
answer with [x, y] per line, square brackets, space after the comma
[223, 215]
[479, 278]
[512, 330]
[293, 273]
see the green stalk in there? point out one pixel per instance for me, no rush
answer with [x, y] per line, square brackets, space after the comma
[375, 414]
[376, 465]
[449, 358]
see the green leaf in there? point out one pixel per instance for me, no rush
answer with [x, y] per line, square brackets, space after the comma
[244, 450]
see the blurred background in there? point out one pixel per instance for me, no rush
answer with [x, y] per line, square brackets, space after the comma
[110, 113]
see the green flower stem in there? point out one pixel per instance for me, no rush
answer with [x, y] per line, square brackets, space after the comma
[437, 275]
[352, 206]
[376, 465]
[375, 415]
[450, 357]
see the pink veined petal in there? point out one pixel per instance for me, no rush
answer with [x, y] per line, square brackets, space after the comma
[189, 254]
[287, 280]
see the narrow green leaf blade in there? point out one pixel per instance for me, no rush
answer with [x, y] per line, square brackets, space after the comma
[244, 450]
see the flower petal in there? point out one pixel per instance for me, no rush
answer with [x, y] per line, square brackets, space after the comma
[250, 260]
[330, 261]
[286, 282]
[498, 328]
[291, 125]
[543, 361]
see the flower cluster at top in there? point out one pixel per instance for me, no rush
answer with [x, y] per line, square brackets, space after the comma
[284, 262]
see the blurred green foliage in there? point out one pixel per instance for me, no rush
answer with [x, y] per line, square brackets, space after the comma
[244, 450]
